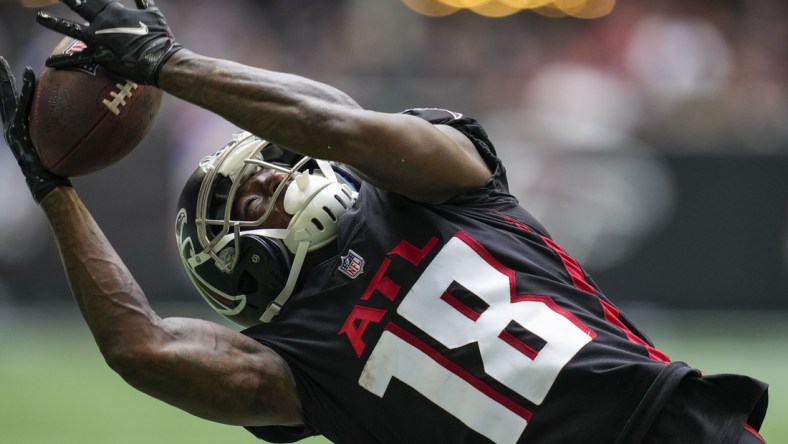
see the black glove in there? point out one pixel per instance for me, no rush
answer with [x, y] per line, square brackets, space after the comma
[14, 110]
[132, 43]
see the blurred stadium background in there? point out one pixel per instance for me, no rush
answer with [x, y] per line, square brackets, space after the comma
[649, 136]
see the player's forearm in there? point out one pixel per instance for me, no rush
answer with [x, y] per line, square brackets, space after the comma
[202, 368]
[109, 298]
[300, 114]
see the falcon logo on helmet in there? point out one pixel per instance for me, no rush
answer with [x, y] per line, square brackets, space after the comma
[244, 272]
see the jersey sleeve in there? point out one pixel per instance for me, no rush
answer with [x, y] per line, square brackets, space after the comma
[474, 131]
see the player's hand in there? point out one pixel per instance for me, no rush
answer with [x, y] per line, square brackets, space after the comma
[14, 111]
[131, 42]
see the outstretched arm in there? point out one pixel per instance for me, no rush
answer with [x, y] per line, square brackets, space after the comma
[203, 368]
[401, 153]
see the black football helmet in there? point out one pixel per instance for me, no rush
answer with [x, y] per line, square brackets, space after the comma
[244, 272]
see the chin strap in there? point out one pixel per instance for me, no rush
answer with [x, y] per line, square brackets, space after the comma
[276, 305]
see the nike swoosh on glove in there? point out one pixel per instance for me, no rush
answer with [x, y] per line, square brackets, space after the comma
[132, 43]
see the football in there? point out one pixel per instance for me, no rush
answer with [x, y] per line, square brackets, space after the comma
[85, 118]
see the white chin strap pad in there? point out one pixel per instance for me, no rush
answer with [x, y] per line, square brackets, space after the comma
[315, 202]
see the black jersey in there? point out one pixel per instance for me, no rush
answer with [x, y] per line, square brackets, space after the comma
[462, 322]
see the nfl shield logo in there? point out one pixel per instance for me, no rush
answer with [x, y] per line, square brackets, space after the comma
[76, 47]
[352, 264]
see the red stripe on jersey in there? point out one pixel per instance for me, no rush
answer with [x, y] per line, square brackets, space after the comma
[612, 315]
[517, 223]
[571, 266]
[460, 372]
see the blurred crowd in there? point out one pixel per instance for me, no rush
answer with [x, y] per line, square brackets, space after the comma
[583, 111]
[703, 71]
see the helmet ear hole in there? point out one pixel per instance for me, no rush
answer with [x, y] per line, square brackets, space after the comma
[330, 213]
[342, 201]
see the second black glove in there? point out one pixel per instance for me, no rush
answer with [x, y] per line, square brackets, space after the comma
[14, 113]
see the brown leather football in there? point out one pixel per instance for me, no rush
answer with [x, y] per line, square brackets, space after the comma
[84, 119]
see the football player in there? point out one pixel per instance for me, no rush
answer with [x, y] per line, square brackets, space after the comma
[389, 286]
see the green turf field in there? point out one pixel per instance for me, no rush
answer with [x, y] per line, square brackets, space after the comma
[56, 389]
